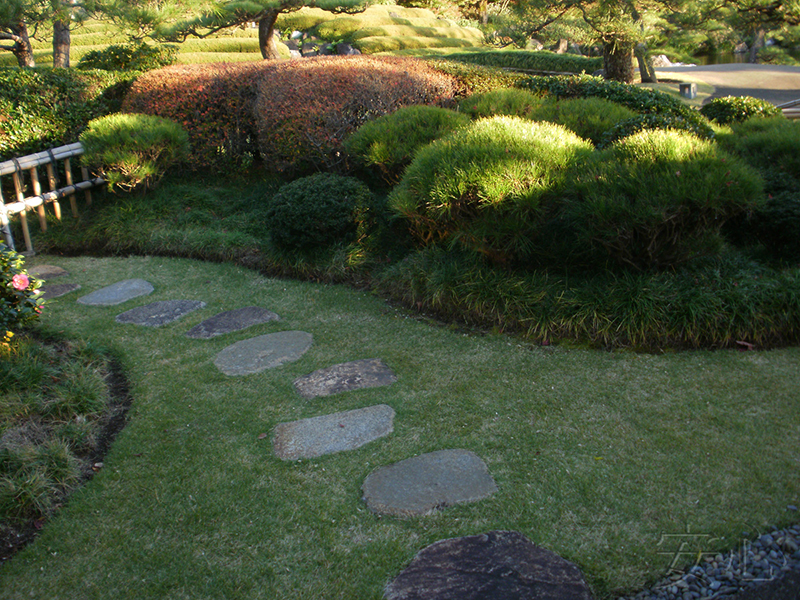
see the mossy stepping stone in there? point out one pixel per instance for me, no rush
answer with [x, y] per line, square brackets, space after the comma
[263, 352]
[160, 313]
[56, 290]
[419, 485]
[317, 436]
[47, 271]
[117, 293]
[344, 377]
[501, 565]
[232, 320]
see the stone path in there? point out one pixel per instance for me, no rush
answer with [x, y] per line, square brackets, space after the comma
[503, 564]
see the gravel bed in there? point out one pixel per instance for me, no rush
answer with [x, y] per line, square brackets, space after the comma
[753, 563]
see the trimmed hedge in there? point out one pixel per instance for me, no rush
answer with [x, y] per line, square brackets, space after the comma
[542, 60]
[735, 109]
[130, 57]
[474, 79]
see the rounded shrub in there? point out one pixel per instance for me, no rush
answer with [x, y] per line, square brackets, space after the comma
[658, 198]
[390, 142]
[132, 150]
[512, 102]
[486, 187]
[318, 211]
[135, 56]
[590, 117]
[732, 109]
[20, 302]
[639, 123]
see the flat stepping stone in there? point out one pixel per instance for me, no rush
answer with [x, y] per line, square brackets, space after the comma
[348, 430]
[418, 485]
[263, 352]
[232, 320]
[56, 290]
[501, 565]
[347, 376]
[46, 271]
[160, 313]
[117, 293]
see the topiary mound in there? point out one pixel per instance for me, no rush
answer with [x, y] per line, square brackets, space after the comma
[390, 142]
[505, 101]
[318, 211]
[487, 187]
[135, 56]
[735, 109]
[590, 118]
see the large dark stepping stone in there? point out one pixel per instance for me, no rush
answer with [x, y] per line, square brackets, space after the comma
[418, 485]
[56, 290]
[309, 438]
[347, 376]
[232, 320]
[117, 293]
[263, 352]
[46, 271]
[160, 313]
[499, 565]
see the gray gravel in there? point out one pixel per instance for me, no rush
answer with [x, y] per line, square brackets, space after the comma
[755, 562]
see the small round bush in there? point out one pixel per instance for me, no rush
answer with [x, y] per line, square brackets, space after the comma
[506, 101]
[133, 151]
[136, 56]
[20, 302]
[658, 198]
[318, 211]
[639, 123]
[590, 117]
[390, 141]
[733, 109]
[486, 187]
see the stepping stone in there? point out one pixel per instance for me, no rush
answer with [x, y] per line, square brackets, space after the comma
[232, 320]
[263, 352]
[46, 271]
[160, 313]
[57, 290]
[309, 438]
[501, 565]
[117, 293]
[418, 485]
[347, 376]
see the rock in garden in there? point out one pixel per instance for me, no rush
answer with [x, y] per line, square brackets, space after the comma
[345, 377]
[232, 320]
[160, 313]
[56, 290]
[117, 293]
[418, 485]
[337, 432]
[46, 271]
[263, 352]
[499, 565]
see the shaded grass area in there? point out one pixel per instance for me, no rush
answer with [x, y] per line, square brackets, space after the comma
[596, 454]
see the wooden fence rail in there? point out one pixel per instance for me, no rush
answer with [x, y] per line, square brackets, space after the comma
[18, 167]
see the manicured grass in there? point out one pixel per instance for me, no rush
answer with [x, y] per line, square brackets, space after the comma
[596, 454]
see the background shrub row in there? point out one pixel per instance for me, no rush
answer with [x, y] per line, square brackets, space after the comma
[543, 60]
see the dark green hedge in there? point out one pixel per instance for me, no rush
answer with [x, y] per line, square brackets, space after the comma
[531, 61]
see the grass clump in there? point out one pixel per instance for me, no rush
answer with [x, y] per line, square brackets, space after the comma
[389, 142]
[589, 117]
[133, 151]
[511, 102]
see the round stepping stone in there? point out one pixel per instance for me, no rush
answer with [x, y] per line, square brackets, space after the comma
[418, 485]
[232, 320]
[46, 271]
[501, 565]
[56, 290]
[263, 352]
[117, 293]
[348, 430]
[160, 313]
[347, 376]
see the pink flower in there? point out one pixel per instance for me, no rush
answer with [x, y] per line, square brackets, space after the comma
[20, 281]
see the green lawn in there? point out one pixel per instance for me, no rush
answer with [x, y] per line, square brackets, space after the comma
[596, 454]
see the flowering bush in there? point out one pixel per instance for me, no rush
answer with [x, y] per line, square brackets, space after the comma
[20, 302]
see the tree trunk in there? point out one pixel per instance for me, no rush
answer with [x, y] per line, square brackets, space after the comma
[646, 69]
[22, 45]
[618, 61]
[61, 42]
[266, 35]
[758, 44]
[562, 46]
